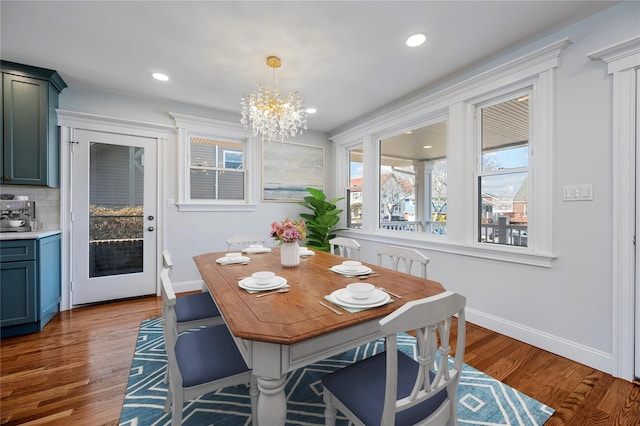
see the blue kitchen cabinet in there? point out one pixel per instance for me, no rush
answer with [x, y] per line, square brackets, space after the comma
[30, 284]
[30, 135]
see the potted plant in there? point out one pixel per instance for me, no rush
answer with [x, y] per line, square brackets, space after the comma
[320, 224]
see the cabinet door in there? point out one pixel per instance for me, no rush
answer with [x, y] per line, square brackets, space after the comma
[25, 145]
[18, 304]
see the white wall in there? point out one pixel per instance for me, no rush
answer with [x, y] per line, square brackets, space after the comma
[566, 308]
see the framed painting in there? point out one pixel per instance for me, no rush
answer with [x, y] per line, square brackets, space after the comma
[289, 168]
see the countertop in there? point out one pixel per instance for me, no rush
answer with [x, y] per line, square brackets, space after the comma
[7, 236]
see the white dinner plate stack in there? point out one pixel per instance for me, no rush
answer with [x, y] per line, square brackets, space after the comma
[250, 284]
[343, 297]
[362, 270]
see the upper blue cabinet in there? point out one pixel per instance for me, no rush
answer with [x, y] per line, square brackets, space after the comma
[30, 136]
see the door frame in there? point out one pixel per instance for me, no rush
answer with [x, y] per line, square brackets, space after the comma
[69, 121]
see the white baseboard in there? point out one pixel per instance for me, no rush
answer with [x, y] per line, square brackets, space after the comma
[184, 286]
[560, 346]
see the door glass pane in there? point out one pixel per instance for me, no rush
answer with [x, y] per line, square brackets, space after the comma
[116, 194]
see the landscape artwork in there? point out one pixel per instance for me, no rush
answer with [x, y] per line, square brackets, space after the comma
[289, 168]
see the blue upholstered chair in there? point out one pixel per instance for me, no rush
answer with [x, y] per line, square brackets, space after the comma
[193, 310]
[390, 388]
[199, 361]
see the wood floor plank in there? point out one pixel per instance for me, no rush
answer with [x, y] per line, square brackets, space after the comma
[75, 372]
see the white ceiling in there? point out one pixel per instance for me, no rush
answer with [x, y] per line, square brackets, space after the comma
[347, 58]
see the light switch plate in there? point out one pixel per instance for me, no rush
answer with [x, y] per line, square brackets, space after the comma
[582, 192]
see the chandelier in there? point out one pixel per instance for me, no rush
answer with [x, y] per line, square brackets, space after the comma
[265, 112]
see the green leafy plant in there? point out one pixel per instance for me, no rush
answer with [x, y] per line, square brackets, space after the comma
[320, 224]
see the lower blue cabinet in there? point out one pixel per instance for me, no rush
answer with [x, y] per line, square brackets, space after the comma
[30, 284]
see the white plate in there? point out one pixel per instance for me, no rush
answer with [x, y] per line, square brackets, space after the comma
[344, 296]
[337, 301]
[250, 284]
[307, 253]
[228, 260]
[362, 270]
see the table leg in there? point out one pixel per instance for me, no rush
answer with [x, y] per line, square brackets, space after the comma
[272, 403]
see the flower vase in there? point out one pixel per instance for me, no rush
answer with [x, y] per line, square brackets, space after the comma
[290, 254]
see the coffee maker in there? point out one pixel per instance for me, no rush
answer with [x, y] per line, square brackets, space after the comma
[16, 215]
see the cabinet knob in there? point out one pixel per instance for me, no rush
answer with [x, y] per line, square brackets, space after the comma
[7, 178]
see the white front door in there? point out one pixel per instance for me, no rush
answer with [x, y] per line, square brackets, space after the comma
[113, 243]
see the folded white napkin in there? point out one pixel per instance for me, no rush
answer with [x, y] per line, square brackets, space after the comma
[257, 250]
[225, 261]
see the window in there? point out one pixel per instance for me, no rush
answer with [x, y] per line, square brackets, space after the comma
[413, 180]
[354, 192]
[490, 193]
[213, 165]
[503, 172]
[217, 171]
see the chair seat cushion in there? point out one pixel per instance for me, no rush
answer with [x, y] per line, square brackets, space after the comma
[360, 387]
[208, 354]
[195, 307]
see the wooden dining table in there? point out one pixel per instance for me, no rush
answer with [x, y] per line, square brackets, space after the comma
[282, 332]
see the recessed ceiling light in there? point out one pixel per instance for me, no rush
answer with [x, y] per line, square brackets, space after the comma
[311, 110]
[159, 76]
[416, 39]
[427, 146]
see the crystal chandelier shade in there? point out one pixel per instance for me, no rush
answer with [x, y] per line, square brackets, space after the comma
[267, 113]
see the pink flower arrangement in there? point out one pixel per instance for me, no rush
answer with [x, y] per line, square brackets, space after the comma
[289, 231]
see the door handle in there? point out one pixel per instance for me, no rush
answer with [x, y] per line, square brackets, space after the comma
[151, 228]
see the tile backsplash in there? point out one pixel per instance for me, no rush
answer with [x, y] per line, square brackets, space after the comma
[47, 202]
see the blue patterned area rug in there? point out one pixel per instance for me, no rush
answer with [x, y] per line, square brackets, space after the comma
[481, 399]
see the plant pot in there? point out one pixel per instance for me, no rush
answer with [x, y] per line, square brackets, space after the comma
[290, 254]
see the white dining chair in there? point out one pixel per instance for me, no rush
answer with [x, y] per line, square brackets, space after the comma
[191, 310]
[196, 309]
[346, 247]
[239, 242]
[199, 361]
[402, 259]
[391, 388]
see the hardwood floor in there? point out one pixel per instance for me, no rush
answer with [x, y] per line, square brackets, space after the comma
[75, 372]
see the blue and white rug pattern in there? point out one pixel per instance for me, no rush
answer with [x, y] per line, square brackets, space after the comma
[482, 400]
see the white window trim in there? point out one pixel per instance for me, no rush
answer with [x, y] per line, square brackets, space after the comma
[189, 125]
[623, 59]
[536, 70]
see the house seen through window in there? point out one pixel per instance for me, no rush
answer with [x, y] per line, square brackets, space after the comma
[217, 169]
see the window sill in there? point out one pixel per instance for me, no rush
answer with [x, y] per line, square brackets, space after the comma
[520, 255]
[204, 207]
